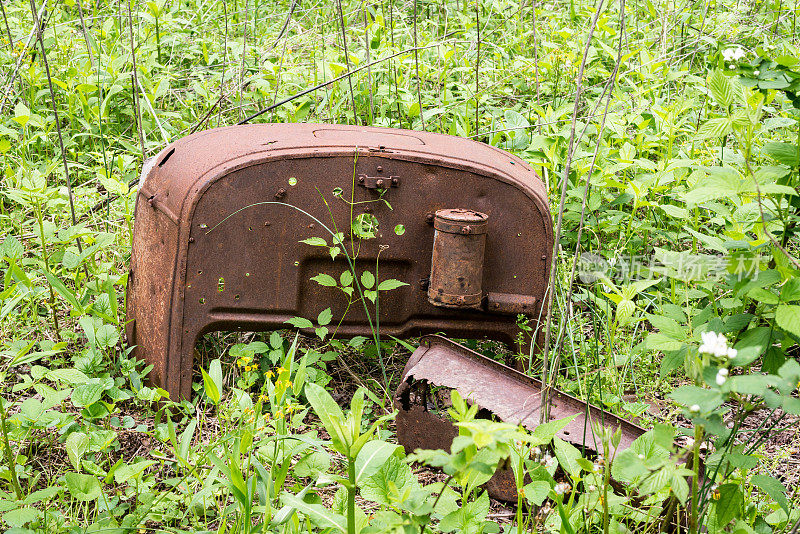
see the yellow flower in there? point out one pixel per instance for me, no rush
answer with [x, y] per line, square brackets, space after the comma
[270, 374]
[280, 370]
[279, 414]
[248, 368]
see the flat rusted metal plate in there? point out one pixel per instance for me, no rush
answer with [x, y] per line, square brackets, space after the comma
[209, 255]
[510, 395]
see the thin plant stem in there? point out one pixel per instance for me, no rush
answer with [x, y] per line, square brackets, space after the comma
[135, 82]
[545, 403]
[416, 67]
[347, 61]
[10, 460]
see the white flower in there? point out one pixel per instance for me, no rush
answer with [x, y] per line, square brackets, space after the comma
[694, 408]
[715, 344]
[733, 54]
[536, 451]
[561, 488]
[732, 353]
[641, 456]
[756, 72]
[592, 488]
[721, 378]
[731, 66]
[723, 372]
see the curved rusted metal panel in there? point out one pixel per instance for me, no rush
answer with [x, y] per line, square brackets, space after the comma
[212, 251]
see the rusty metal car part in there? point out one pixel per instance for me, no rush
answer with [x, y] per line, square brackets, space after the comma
[218, 228]
[509, 394]
[459, 242]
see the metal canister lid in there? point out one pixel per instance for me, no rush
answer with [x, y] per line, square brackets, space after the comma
[461, 221]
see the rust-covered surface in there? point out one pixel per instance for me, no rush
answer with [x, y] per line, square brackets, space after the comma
[459, 243]
[210, 254]
[510, 395]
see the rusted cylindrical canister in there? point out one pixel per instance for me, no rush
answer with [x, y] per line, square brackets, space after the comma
[457, 263]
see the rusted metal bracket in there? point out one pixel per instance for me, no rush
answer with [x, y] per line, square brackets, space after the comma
[378, 182]
[510, 303]
[508, 394]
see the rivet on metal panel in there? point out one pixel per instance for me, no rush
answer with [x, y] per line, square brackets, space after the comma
[280, 194]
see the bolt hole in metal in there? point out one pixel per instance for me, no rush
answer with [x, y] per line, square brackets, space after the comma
[221, 284]
[202, 300]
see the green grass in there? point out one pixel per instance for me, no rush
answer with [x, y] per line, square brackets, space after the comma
[687, 151]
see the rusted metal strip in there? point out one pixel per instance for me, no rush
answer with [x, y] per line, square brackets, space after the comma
[509, 394]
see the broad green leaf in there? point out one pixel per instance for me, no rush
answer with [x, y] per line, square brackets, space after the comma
[567, 455]
[62, 290]
[82, 487]
[77, 444]
[19, 517]
[536, 492]
[673, 359]
[662, 342]
[324, 280]
[88, 393]
[210, 387]
[469, 518]
[729, 504]
[126, 472]
[22, 114]
[372, 456]
[315, 242]
[389, 482]
[318, 514]
[721, 88]
[299, 322]
[784, 153]
[545, 432]
[788, 317]
[313, 464]
[791, 290]
[367, 280]
[772, 487]
[715, 128]
[324, 317]
[390, 284]
[215, 372]
[106, 336]
[667, 326]
[329, 413]
[688, 396]
[68, 375]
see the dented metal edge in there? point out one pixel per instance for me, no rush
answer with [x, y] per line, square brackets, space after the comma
[511, 395]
